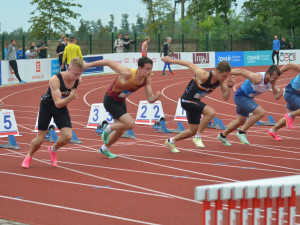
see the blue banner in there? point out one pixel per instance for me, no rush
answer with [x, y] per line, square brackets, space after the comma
[258, 58]
[236, 59]
[55, 67]
[95, 69]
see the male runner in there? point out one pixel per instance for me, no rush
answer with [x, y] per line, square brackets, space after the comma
[292, 97]
[203, 83]
[61, 91]
[256, 84]
[145, 47]
[127, 82]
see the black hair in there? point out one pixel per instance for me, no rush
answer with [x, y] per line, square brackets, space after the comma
[144, 60]
[273, 69]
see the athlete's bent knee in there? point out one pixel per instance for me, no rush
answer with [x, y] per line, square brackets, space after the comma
[130, 125]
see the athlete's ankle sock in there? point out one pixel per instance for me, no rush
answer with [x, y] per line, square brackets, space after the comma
[197, 135]
[222, 135]
[272, 131]
[242, 132]
[289, 115]
[108, 129]
[52, 149]
[171, 140]
[104, 148]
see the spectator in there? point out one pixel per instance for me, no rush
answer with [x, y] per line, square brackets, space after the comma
[66, 41]
[127, 43]
[11, 57]
[71, 51]
[5, 50]
[145, 47]
[62, 37]
[60, 52]
[119, 44]
[276, 47]
[283, 44]
[292, 46]
[31, 53]
[42, 49]
[19, 53]
[166, 49]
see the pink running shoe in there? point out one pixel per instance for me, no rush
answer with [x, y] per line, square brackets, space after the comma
[274, 135]
[26, 162]
[53, 157]
[289, 121]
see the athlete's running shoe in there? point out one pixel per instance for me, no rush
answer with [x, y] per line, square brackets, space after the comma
[173, 73]
[223, 140]
[243, 138]
[105, 134]
[171, 146]
[289, 121]
[26, 162]
[274, 135]
[108, 154]
[53, 157]
[198, 142]
[164, 74]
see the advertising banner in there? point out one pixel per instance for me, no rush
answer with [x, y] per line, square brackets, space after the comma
[37, 70]
[93, 70]
[258, 58]
[55, 67]
[236, 59]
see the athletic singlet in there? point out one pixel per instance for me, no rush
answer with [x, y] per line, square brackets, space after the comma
[65, 92]
[251, 90]
[142, 49]
[198, 91]
[295, 82]
[119, 91]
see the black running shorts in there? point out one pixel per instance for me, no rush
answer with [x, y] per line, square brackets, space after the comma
[116, 109]
[193, 108]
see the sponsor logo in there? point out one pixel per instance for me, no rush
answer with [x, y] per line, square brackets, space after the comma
[253, 57]
[201, 58]
[287, 57]
[227, 58]
[38, 66]
[126, 60]
[37, 77]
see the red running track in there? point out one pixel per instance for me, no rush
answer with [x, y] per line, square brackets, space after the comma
[146, 184]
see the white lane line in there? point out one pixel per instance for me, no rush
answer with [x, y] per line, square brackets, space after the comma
[83, 184]
[77, 210]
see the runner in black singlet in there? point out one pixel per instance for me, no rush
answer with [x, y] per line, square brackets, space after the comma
[202, 84]
[61, 91]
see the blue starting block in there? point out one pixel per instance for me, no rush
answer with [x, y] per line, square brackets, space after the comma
[52, 137]
[161, 127]
[128, 133]
[12, 143]
[270, 122]
[216, 124]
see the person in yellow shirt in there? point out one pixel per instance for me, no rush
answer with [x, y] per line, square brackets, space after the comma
[71, 51]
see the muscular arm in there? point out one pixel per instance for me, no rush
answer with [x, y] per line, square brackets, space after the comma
[290, 66]
[277, 92]
[56, 93]
[255, 78]
[200, 73]
[151, 98]
[226, 87]
[123, 71]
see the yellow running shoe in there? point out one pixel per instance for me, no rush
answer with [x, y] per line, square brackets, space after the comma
[171, 146]
[198, 142]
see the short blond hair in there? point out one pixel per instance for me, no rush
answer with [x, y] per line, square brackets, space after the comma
[147, 38]
[77, 63]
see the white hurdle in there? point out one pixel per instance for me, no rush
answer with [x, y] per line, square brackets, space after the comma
[279, 188]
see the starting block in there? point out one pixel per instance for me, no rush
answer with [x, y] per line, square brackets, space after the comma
[216, 124]
[128, 133]
[52, 137]
[160, 127]
[12, 143]
[270, 122]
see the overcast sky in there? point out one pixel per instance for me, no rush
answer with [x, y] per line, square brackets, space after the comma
[15, 14]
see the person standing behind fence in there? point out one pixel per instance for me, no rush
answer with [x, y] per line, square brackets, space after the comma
[276, 47]
[119, 44]
[145, 47]
[166, 49]
[71, 51]
[11, 57]
[127, 43]
[60, 51]
[19, 53]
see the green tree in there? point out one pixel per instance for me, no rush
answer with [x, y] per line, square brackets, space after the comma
[51, 17]
[125, 23]
[140, 25]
